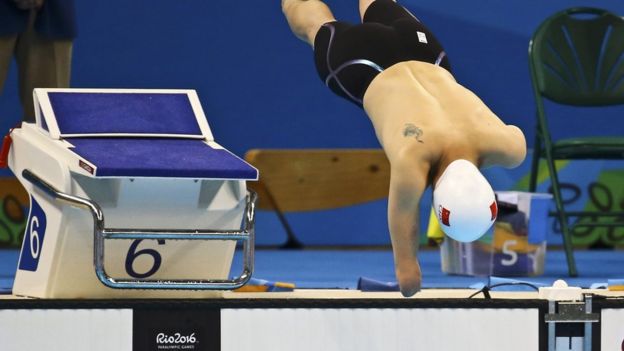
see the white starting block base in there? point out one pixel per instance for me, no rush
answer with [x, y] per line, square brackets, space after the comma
[180, 204]
[58, 254]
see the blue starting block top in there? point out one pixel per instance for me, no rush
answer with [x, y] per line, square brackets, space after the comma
[137, 133]
[127, 113]
[160, 157]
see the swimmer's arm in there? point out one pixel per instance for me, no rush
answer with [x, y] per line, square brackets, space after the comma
[407, 185]
[509, 151]
[517, 149]
[305, 17]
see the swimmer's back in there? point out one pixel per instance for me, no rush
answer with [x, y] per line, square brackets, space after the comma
[448, 115]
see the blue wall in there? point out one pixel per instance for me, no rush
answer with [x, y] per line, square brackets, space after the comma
[258, 85]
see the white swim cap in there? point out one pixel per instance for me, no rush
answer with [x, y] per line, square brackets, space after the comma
[464, 202]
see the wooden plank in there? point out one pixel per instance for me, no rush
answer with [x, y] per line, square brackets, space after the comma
[315, 179]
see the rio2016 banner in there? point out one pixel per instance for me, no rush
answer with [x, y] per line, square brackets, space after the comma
[593, 186]
[13, 212]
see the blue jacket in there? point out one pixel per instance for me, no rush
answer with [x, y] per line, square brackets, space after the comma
[55, 20]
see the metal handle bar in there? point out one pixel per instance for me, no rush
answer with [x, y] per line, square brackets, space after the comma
[101, 233]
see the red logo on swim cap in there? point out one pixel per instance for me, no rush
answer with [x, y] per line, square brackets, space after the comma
[445, 216]
[494, 210]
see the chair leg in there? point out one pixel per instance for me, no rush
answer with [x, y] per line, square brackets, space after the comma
[291, 239]
[292, 242]
[537, 147]
[563, 220]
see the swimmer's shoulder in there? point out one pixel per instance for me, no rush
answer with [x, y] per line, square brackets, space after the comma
[517, 148]
[506, 147]
[415, 158]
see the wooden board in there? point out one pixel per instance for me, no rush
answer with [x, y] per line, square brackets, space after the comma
[315, 179]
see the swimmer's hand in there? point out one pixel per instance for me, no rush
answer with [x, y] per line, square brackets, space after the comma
[409, 277]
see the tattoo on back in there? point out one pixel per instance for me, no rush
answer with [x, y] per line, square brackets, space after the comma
[413, 131]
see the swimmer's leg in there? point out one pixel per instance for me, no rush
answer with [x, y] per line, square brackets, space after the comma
[383, 11]
[364, 4]
[305, 18]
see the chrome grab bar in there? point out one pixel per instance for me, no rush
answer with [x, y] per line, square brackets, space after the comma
[101, 233]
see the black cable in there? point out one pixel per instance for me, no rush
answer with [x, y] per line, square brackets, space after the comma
[486, 289]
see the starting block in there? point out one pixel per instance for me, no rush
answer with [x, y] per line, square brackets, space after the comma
[130, 197]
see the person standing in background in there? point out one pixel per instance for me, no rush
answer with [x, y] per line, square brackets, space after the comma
[39, 34]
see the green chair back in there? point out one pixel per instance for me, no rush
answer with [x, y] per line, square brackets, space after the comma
[577, 58]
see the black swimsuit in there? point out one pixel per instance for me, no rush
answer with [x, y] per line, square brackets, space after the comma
[348, 57]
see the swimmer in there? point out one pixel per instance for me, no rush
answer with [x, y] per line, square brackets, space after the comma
[434, 131]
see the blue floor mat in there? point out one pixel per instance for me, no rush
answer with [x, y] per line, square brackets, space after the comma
[341, 269]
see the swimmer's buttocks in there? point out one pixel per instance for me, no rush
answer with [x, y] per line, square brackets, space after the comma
[348, 57]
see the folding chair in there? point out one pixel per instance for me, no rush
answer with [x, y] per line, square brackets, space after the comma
[576, 58]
